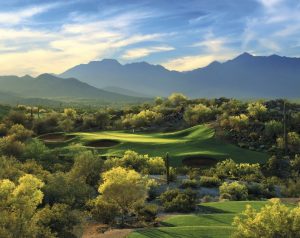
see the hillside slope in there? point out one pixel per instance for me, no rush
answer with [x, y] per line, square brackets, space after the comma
[49, 86]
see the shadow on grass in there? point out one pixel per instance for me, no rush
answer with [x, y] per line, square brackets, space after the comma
[219, 220]
[207, 210]
[158, 233]
[166, 224]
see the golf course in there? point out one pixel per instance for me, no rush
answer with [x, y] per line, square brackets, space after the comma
[193, 146]
[196, 146]
[213, 221]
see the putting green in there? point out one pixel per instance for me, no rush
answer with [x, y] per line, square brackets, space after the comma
[198, 141]
[213, 221]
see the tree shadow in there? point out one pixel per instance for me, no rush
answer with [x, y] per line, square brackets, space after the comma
[207, 210]
[158, 233]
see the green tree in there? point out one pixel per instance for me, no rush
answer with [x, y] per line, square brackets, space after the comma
[102, 119]
[103, 211]
[56, 221]
[62, 188]
[177, 99]
[36, 150]
[87, 166]
[66, 125]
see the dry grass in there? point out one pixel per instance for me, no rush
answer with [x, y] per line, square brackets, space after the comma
[93, 231]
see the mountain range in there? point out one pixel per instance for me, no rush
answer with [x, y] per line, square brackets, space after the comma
[108, 81]
[47, 86]
[246, 76]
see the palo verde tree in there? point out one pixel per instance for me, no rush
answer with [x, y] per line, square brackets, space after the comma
[18, 205]
[124, 188]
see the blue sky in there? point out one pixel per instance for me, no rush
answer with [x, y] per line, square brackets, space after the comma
[52, 36]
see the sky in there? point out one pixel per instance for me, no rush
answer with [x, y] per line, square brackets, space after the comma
[39, 36]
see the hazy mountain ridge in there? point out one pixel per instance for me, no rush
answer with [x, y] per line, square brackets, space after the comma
[244, 76]
[49, 86]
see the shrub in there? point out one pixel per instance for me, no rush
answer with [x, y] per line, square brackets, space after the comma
[210, 182]
[3, 129]
[198, 114]
[189, 183]
[279, 167]
[194, 173]
[260, 190]
[273, 128]
[59, 218]
[172, 174]
[293, 139]
[208, 198]
[16, 117]
[238, 122]
[36, 149]
[236, 190]
[147, 213]
[257, 110]
[174, 200]
[140, 163]
[102, 211]
[231, 170]
[19, 132]
[152, 189]
[273, 220]
[9, 146]
[291, 188]
[156, 165]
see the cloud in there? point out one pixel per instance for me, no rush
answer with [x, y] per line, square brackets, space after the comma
[195, 61]
[81, 41]
[212, 45]
[35, 39]
[142, 52]
[16, 17]
[212, 48]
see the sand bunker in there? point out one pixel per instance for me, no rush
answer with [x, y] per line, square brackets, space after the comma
[56, 137]
[102, 143]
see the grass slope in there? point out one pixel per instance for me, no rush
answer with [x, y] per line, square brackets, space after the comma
[215, 221]
[194, 141]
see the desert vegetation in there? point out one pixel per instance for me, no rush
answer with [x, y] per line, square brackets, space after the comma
[171, 167]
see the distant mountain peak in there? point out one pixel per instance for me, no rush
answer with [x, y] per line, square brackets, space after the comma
[46, 76]
[107, 61]
[244, 55]
[27, 76]
[214, 63]
[275, 56]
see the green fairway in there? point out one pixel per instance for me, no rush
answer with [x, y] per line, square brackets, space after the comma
[192, 142]
[183, 232]
[215, 221]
